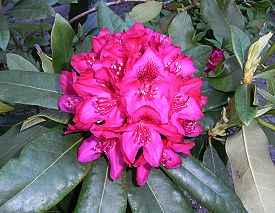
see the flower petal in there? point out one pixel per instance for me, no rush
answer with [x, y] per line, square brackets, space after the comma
[170, 159]
[143, 174]
[116, 161]
[86, 151]
[152, 151]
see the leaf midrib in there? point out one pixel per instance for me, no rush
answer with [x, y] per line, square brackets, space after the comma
[32, 87]
[44, 171]
[155, 197]
[250, 167]
[103, 189]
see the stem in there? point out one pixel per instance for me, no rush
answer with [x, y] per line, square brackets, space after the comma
[266, 124]
[111, 4]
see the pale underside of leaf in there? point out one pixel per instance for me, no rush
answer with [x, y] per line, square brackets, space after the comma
[253, 170]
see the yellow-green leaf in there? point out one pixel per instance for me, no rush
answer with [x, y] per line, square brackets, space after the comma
[146, 11]
[253, 170]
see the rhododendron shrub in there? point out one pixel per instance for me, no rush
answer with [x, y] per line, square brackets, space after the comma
[216, 57]
[135, 93]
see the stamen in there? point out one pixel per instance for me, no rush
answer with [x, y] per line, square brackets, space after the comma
[103, 145]
[104, 105]
[189, 127]
[142, 135]
[180, 103]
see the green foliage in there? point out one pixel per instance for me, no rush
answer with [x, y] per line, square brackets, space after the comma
[106, 18]
[181, 30]
[4, 32]
[196, 179]
[100, 194]
[61, 43]
[33, 88]
[48, 156]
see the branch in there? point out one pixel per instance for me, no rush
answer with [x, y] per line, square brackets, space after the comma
[110, 4]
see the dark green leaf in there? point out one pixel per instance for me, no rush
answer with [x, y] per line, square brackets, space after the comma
[200, 55]
[4, 32]
[159, 194]
[240, 43]
[85, 45]
[106, 18]
[212, 160]
[61, 43]
[46, 172]
[164, 23]
[200, 141]
[215, 98]
[181, 30]
[269, 52]
[13, 141]
[204, 186]
[32, 121]
[100, 194]
[145, 12]
[244, 97]
[27, 28]
[269, 134]
[55, 115]
[230, 78]
[220, 14]
[33, 88]
[17, 62]
[31, 9]
[209, 119]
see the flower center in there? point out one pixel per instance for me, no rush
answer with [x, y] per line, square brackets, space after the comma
[72, 101]
[104, 105]
[180, 102]
[165, 160]
[189, 127]
[142, 134]
[103, 145]
[148, 72]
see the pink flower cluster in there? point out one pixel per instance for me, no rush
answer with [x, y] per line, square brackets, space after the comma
[135, 94]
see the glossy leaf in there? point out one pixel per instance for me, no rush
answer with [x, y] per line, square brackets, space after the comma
[267, 96]
[85, 45]
[200, 142]
[45, 173]
[106, 18]
[270, 134]
[240, 44]
[252, 168]
[159, 194]
[219, 15]
[230, 78]
[4, 32]
[61, 43]
[13, 141]
[164, 23]
[212, 160]
[100, 194]
[204, 186]
[33, 88]
[30, 9]
[145, 12]
[181, 30]
[244, 97]
[47, 64]
[5, 108]
[17, 62]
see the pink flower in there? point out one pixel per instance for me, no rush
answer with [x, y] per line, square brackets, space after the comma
[214, 60]
[92, 148]
[135, 93]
